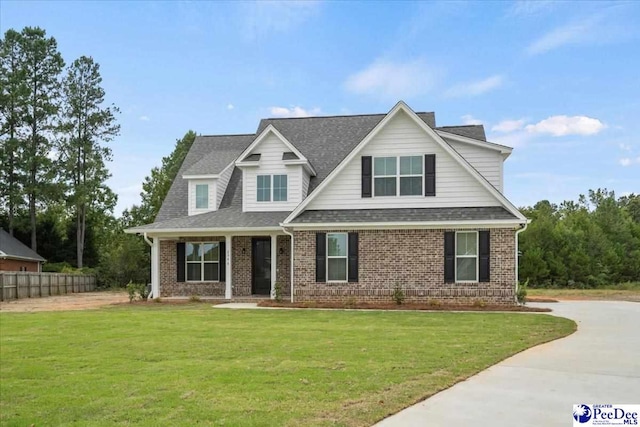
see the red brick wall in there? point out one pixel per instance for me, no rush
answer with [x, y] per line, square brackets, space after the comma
[15, 265]
[410, 259]
[240, 263]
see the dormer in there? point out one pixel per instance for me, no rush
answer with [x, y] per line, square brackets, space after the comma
[275, 174]
[206, 184]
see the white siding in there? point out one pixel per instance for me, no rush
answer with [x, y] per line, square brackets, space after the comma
[192, 196]
[270, 150]
[486, 161]
[222, 184]
[455, 187]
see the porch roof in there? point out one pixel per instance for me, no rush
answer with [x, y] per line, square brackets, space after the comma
[404, 215]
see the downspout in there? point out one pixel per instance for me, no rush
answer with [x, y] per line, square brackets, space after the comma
[526, 224]
[291, 260]
[150, 243]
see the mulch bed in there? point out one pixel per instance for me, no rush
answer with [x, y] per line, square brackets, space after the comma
[408, 306]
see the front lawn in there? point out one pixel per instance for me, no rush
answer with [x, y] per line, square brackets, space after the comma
[191, 365]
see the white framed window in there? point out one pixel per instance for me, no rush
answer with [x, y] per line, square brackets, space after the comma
[202, 196]
[203, 261]
[466, 256]
[403, 175]
[263, 188]
[279, 188]
[267, 192]
[337, 251]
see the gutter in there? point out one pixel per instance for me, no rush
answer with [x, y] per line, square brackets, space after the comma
[291, 274]
[524, 227]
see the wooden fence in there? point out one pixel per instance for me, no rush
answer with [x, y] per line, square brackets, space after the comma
[17, 285]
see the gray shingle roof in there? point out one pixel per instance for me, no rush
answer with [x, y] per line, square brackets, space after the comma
[324, 141]
[218, 152]
[404, 215]
[470, 131]
[13, 247]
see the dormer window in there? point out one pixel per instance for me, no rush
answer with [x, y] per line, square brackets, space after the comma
[202, 196]
[267, 192]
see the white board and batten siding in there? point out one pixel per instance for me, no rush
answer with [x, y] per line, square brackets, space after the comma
[485, 160]
[271, 163]
[192, 196]
[455, 186]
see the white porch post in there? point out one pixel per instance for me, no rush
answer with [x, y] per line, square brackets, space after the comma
[274, 263]
[229, 270]
[155, 268]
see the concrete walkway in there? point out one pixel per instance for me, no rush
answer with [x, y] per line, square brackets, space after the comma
[600, 363]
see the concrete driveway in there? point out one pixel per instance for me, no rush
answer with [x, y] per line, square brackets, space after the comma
[600, 363]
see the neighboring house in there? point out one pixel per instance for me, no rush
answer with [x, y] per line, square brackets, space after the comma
[16, 256]
[365, 204]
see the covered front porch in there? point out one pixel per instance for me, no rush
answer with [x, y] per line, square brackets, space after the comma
[233, 267]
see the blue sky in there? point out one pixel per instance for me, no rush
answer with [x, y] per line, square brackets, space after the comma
[558, 81]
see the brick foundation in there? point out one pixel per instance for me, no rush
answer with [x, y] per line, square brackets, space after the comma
[410, 259]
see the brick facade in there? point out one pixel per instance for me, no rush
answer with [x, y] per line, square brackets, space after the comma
[410, 259]
[240, 263]
[7, 264]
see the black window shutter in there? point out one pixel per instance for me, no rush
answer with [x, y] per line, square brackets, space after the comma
[429, 174]
[353, 257]
[180, 262]
[321, 257]
[449, 256]
[222, 260]
[485, 252]
[366, 176]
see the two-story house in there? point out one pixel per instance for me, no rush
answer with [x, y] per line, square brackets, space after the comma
[336, 208]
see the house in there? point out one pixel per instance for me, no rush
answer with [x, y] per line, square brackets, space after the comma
[16, 256]
[337, 208]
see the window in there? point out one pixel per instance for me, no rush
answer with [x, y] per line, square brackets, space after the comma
[337, 257]
[264, 193]
[279, 188]
[467, 256]
[398, 175]
[202, 196]
[264, 188]
[203, 262]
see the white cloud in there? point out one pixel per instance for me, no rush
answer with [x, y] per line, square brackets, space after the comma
[468, 119]
[624, 147]
[294, 111]
[507, 126]
[628, 161]
[393, 80]
[476, 87]
[230, 107]
[144, 118]
[567, 125]
[264, 17]
[530, 7]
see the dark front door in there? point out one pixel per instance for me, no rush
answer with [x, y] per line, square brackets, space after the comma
[261, 266]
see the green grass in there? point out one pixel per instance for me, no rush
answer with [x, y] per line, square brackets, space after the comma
[629, 291]
[193, 365]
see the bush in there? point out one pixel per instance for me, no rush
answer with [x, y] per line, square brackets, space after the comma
[522, 292]
[398, 295]
[55, 267]
[137, 291]
[277, 290]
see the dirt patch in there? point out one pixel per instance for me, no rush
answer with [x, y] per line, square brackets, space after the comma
[541, 299]
[393, 306]
[81, 301]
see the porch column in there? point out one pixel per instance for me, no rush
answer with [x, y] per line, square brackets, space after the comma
[229, 270]
[274, 263]
[155, 268]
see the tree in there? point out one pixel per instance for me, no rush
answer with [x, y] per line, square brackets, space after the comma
[42, 67]
[85, 124]
[13, 98]
[157, 185]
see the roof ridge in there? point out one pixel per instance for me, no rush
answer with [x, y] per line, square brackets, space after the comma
[338, 115]
[459, 126]
[229, 134]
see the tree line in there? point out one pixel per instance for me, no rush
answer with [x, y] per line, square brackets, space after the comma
[54, 127]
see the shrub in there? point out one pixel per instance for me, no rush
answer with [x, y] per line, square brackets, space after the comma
[131, 290]
[350, 302]
[277, 290]
[434, 303]
[55, 267]
[521, 296]
[137, 291]
[194, 298]
[479, 303]
[398, 295]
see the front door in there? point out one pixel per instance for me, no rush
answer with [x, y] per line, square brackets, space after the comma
[261, 266]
